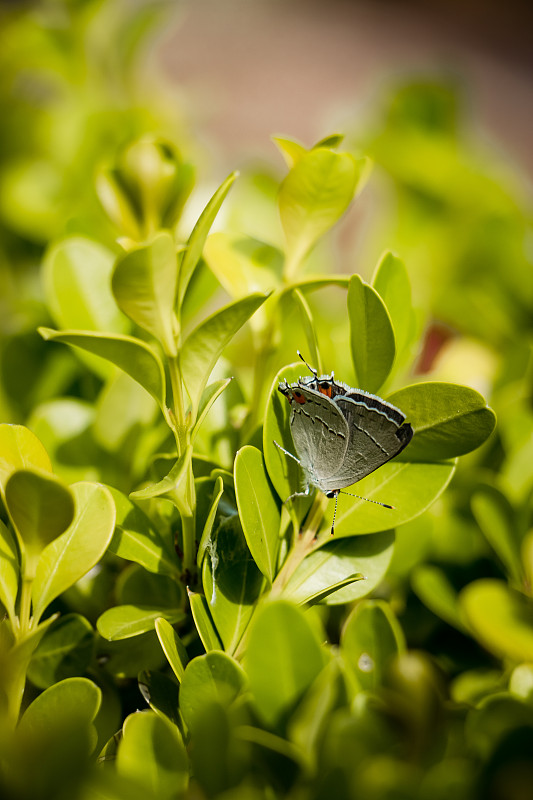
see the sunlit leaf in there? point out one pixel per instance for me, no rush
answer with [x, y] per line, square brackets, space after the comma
[144, 284]
[371, 335]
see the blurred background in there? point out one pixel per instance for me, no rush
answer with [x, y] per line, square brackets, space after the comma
[438, 94]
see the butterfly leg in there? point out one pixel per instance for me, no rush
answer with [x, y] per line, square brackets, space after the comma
[287, 453]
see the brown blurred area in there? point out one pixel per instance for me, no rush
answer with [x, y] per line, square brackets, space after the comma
[303, 68]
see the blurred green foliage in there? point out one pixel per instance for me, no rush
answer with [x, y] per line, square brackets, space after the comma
[269, 660]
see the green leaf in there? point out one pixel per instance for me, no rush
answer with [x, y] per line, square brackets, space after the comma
[161, 692]
[204, 623]
[76, 275]
[232, 582]
[41, 508]
[308, 326]
[137, 539]
[171, 485]
[69, 557]
[125, 621]
[282, 659]
[432, 586]
[258, 509]
[448, 420]
[243, 264]
[152, 754]
[496, 518]
[331, 142]
[70, 705]
[339, 560]
[144, 284]
[312, 198]
[392, 283]
[371, 335]
[65, 651]
[203, 347]
[135, 585]
[370, 639]
[409, 488]
[500, 618]
[291, 150]
[214, 677]
[205, 538]
[20, 449]
[9, 572]
[196, 241]
[210, 394]
[173, 647]
[133, 356]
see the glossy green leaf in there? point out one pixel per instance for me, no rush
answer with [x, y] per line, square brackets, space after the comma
[312, 198]
[153, 755]
[432, 586]
[212, 677]
[65, 651]
[125, 658]
[281, 643]
[137, 539]
[199, 234]
[173, 647]
[338, 560]
[409, 488]
[205, 538]
[448, 420]
[371, 335]
[232, 582]
[144, 284]
[41, 508]
[496, 518]
[171, 485]
[69, 557]
[9, 572]
[500, 618]
[391, 282]
[204, 345]
[132, 355]
[370, 639]
[20, 449]
[125, 621]
[161, 692]
[68, 705]
[243, 264]
[204, 622]
[136, 585]
[210, 394]
[258, 509]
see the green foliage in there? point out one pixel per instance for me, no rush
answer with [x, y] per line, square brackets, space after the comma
[176, 623]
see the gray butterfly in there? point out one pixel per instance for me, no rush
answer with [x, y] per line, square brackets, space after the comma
[341, 434]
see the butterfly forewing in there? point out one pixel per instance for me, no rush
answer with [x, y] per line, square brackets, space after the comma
[320, 435]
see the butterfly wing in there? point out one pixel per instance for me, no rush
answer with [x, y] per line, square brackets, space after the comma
[320, 434]
[377, 433]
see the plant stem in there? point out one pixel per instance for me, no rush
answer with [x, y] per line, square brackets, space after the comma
[25, 606]
[304, 544]
[178, 405]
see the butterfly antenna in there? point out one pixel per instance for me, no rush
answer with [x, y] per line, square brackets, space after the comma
[367, 500]
[311, 369]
